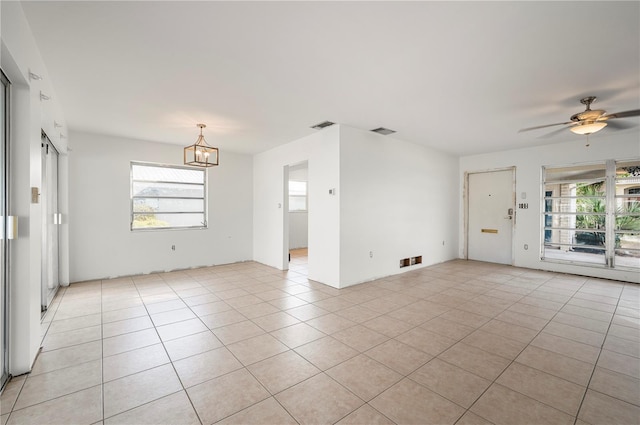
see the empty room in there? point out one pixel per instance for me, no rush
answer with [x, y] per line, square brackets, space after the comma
[310, 212]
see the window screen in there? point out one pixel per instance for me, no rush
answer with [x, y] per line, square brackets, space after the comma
[167, 197]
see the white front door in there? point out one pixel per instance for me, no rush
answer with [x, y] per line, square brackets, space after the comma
[490, 216]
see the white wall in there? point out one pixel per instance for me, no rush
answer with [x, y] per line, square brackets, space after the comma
[299, 172]
[528, 163]
[19, 55]
[397, 200]
[391, 197]
[298, 229]
[101, 242]
[321, 150]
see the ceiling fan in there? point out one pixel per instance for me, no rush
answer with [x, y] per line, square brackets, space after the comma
[590, 120]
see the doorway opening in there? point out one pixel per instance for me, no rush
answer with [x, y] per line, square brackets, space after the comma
[490, 215]
[299, 261]
[297, 217]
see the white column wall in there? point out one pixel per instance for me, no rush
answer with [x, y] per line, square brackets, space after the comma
[29, 114]
[321, 149]
[528, 163]
[398, 200]
[101, 242]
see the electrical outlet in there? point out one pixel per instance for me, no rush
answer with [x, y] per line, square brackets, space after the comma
[370, 254]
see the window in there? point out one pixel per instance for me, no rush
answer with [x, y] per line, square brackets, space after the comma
[627, 214]
[167, 197]
[297, 196]
[590, 216]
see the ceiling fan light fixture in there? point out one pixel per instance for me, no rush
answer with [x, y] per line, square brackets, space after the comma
[588, 127]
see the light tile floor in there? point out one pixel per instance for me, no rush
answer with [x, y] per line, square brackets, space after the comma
[460, 342]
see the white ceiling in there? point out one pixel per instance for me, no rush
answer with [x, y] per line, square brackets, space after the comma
[461, 77]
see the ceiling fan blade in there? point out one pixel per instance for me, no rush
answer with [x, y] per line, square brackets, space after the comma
[544, 126]
[624, 114]
[621, 125]
[552, 133]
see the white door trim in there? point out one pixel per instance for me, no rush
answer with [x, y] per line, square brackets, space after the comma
[285, 217]
[466, 207]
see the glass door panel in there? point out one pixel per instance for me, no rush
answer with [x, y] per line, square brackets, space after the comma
[50, 221]
[575, 214]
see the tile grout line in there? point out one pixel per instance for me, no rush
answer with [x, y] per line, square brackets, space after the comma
[407, 376]
[28, 375]
[167, 354]
[595, 365]
[293, 350]
[225, 346]
[385, 286]
[262, 385]
[468, 409]
[494, 382]
[64, 347]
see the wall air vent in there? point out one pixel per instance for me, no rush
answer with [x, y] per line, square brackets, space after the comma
[322, 125]
[383, 131]
[411, 261]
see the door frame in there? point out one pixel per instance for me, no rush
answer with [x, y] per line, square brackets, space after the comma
[285, 211]
[512, 169]
[285, 218]
[5, 258]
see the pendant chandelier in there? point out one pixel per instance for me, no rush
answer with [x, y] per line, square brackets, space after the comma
[200, 154]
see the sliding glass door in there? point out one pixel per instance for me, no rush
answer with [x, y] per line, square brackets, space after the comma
[50, 221]
[592, 214]
[4, 231]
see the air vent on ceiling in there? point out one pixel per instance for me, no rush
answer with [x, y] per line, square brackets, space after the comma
[383, 131]
[322, 125]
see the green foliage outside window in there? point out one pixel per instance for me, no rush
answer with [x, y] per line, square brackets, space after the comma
[147, 220]
[593, 201]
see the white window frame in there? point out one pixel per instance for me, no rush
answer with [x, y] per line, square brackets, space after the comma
[610, 215]
[305, 196]
[204, 199]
